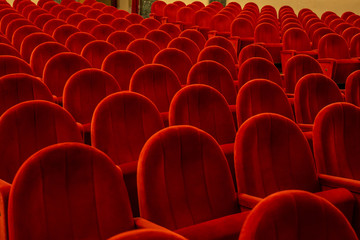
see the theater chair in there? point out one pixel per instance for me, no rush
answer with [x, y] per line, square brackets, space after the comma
[194, 35]
[31, 42]
[224, 43]
[120, 39]
[121, 124]
[253, 50]
[352, 88]
[183, 164]
[70, 189]
[144, 48]
[76, 42]
[161, 38]
[187, 45]
[11, 64]
[96, 51]
[295, 214]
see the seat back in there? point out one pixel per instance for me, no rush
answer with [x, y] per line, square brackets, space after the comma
[224, 43]
[144, 48]
[11, 64]
[77, 41]
[194, 35]
[120, 39]
[31, 42]
[96, 51]
[296, 39]
[352, 88]
[187, 45]
[266, 33]
[253, 50]
[333, 45]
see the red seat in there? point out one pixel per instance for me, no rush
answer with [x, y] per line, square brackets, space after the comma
[75, 19]
[87, 25]
[14, 25]
[186, 45]
[65, 13]
[96, 51]
[355, 46]
[120, 39]
[42, 19]
[144, 48]
[50, 26]
[76, 42]
[105, 18]
[170, 12]
[352, 88]
[7, 49]
[185, 17]
[102, 31]
[134, 18]
[283, 215]
[202, 21]
[122, 64]
[31, 42]
[121, 124]
[119, 13]
[120, 24]
[63, 32]
[21, 33]
[157, 10]
[318, 34]
[187, 153]
[194, 35]
[42, 53]
[224, 43]
[150, 23]
[93, 13]
[349, 33]
[268, 35]
[161, 38]
[253, 50]
[171, 29]
[11, 64]
[137, 30]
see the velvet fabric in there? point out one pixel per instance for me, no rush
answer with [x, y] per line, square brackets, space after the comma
[11, 64]
[186, 45]
[260, 96]
[253, 50]
[120, 39]
[31, 42]
[258, 67]
[355, 46]
[313, 92]
[30, 126]
[21, 87]
[59, 68]
[88, 24]
[220, 23]
[14, 25]
[77, 41]
[122, 64]
[68, 191]
[42, 19]
[295, 214]
[194, 35]
[7, 49]
[148, 234]
[176, 60]
[185, 17]
[215, 75]
[102, 31]
[120, 24]
[21, 33]
[75, 18]
[157, 9]
[161, 38]
[224, 43]
[137, 30]
[297, 67]
[105, 18]
[96, 51]
[170, 12]
[151, 23]
[134, 18]
[171, 29]
[144, 48]
[5, 20]
[352, 88]
[50, 26]
[268, 35]
[184, 184]
[63, 32]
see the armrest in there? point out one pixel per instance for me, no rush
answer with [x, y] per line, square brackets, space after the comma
[141, 223]
[339, 182]
[4, 196]
[248, 201]
[327, 65]
[306, 127]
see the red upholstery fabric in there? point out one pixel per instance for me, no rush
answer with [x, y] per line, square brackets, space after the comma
[157, 9]
[63, 32]
[65, 13]
[260, 96]
[21, 33]
[171, 29]
[137, 30]
[5, 20]
[157, 82]
[119, 13]
[7, 49]
[296, 215]
[14, 25]
[297, 67]
[148, 234]
[161, 38]
[11, 64]
[134, 18]
[221, 24]
[42, 53]
[38, 124]
[42, 19]
[194, 35]
[144, 48]
[120, 24]
[78, 40]
[96, 51]
[215, 75]
[204, 197]
[21, 87]
[94, 13]
[176, 60]
[185, 17]
[220, 55]
[336, 134]
[52, 198]
[313, 92]
[122, 65]
[224, 43]
[84, 90]
[258, 67]
[170, 12]
[87, 25]
[59, 68]
[268, 34]
[50, 26]
[75, 19]
[355, 46]
[120, 39]
[296, 39]
[105, 18]
[186, 45]
[102, 31]
[31, 42]
[151, 23]
[352, 88]
[253, 50]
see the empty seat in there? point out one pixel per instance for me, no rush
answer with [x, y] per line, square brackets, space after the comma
[42, 19]
[120, 24]
[313, 92]
[102, 31]
[186, 45]
[120, 39]
[355, 46]
[220, 25]
[194, 35]
[121, 124]
[7, 49]
[87, 25]
[150, 23]
[63, 32]
[318, 34]
[75, 19]
[157, 10]
[242, 29]
[105, 18]
[185, 17]
[31, 42]
[96, 51]
[137, 30]
[144, 48]
[176, 60]
[185, 152]
[171, 29]
[268, 35]
[224, 43]
[14, 25]
[42, 53]
[21, 87]
[59, 68]
[21, 33]
[11, 64]
[134, 18]
[159, 37]
[50, 26]
[352, 88]
[122, 64]
[253, 50]
[170, 12]
[283, 215]
[76, 42]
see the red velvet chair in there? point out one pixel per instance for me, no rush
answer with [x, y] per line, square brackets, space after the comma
[243, 30]
[185, 17]
[14, 25]
[157, 10]
[171, 29]
[105, 18]
[120, 39]
[176, 60]
[349, 33]
[318, 34]
[258, 67]
[93, 13]
[122, 64]
[58, 70]
[50, 26]
[220, 25]
[21, 33]
[21, 87]
[169, 13]
[88, 24]
[144, 48]
[202, 21]
[186, 45]
[159, 37]
[158, 83]
[148, 234]
[352, 88]
[203, 204]
[295, 214]
[96, 51]
[194, 35]
[78, 40]
[224, 43]
[63, 32]
[297, 67]
[134, 18]
[137, 30]
[335, 58]
[355, 46]
[102, 31]
[75, 19]
[120, 24]
[268, 35]
[121, 124]
[86, 198]
[5, 20]
[119, 13]
[150, 23]
[253, 50]
[11, 64]
[31, 42]
[220, 55]
[215, 75]
[313, 92]
[286, 163]
[261, 96]
[82, 93]
[42, 53]
[204, 107]
[8, 49]
[42, 19]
